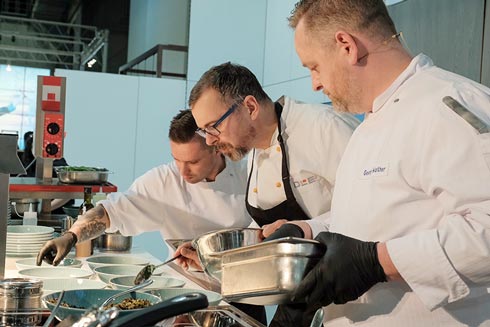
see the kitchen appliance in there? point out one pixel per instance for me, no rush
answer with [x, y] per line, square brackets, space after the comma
[50, 117]
[9, 164]
[19, 206]
[20, 300]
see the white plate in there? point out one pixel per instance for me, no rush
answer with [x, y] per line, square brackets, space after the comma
[20, 254]
[28, 238]
[29, 230]
[115, 260]
[55, 272]
[31, 263]
[23, 237]
[23, 248]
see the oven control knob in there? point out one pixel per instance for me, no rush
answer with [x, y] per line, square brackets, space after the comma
[53, 128]
[52, 149]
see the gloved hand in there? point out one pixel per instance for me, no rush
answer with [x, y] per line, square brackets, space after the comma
[347, 270]
[55, 250]
[286, 230]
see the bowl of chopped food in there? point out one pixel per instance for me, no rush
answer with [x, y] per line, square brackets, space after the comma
[77, 302]
[82, 174]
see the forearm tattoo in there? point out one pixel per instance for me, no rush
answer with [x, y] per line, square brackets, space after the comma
[93, 223]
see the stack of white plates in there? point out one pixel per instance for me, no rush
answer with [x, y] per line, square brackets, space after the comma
[26, 241]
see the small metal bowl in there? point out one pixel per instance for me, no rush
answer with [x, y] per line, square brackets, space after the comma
[114, 242]
[210, 245]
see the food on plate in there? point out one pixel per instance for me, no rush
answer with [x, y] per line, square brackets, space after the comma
[126, 304]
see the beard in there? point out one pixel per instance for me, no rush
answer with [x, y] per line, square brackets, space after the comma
[237, 153]
[234, 153]
[347, 97]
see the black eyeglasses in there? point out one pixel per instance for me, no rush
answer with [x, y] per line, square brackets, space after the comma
[213, 130]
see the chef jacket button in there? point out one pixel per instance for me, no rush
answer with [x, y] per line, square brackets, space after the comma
[278, 149]
[254, 190]
[278, 184]
[396, 100]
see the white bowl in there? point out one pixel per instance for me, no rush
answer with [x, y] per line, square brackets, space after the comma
[125, 282]
[105, 273]
[55, 285]
[167, 293]
[115, 260]
[31, 263]
[55, 273]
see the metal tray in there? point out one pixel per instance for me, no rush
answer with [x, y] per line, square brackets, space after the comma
[82, 177]
[219, 316]
[268, 272]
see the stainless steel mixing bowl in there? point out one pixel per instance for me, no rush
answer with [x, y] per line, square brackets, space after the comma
[210, 245]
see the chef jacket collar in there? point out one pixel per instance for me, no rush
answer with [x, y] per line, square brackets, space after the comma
[420, 62]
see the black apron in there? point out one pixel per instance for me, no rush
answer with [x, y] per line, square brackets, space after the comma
[289, 209]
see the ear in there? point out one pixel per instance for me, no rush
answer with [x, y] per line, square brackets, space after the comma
[252, 105]
[347, 46]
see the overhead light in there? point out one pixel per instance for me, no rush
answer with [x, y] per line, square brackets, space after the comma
[91, 62]
[9, 68]
[392, 2]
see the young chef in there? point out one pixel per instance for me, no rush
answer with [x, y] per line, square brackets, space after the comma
[415, 177]
[198, 192]
[295, 148]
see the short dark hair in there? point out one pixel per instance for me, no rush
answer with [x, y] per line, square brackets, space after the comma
[183, 127]
[232, 81]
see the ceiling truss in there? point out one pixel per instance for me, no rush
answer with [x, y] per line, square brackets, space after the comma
[27, 42]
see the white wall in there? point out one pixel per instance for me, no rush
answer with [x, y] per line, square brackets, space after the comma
[224, 30]
[155, 22]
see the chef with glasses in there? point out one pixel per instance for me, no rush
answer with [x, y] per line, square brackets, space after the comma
[294, 148]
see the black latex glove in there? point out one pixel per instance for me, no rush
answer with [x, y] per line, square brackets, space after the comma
[286, 230]
[292, 315]
[347, 270]
[56, 250]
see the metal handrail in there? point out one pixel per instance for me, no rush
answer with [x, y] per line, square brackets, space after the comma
[158, 51]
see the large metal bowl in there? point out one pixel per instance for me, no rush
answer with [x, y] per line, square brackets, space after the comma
[210, 245]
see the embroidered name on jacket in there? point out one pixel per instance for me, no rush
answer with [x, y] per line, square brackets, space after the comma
[305, 181]
[375, 171]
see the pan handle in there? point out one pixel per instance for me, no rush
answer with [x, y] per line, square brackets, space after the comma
[169, 308]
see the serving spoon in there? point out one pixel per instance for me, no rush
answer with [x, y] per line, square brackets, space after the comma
[148, 270]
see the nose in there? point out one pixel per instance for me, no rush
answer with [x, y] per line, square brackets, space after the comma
[315, 83]
[184, 169]
[211, 139]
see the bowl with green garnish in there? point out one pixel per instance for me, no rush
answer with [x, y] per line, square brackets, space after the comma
[82, 174]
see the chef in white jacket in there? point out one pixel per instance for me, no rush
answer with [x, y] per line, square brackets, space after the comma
[409, 240]
[287, 140]
[294, 147]
[198, 192]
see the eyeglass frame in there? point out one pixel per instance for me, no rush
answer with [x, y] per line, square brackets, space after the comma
[213, 130]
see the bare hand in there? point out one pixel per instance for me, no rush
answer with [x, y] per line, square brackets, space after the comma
[267, 230]
[189, 257]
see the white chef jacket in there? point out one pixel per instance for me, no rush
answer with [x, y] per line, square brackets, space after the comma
[315, 137]
[417, 175]
[161, 200]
